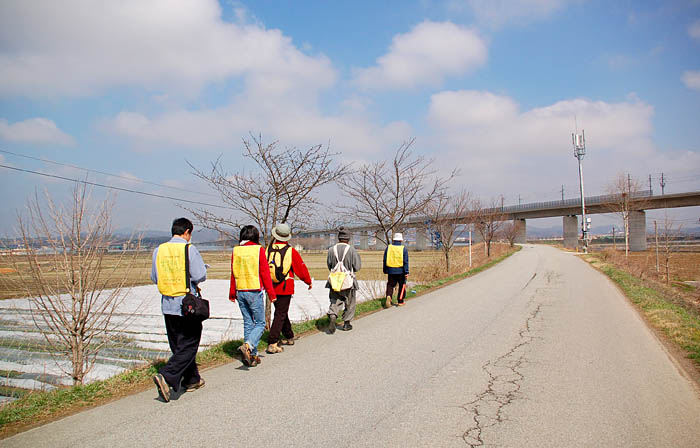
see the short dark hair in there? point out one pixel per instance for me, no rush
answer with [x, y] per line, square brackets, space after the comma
[180, 226]
[250, 233]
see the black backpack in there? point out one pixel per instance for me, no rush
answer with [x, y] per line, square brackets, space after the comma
[275, 259]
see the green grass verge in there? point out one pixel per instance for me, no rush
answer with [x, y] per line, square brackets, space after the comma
[677, 323]
[33, 406]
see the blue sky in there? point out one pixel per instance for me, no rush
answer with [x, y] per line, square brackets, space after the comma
[135, 88]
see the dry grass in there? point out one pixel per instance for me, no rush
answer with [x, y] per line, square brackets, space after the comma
[425, 266]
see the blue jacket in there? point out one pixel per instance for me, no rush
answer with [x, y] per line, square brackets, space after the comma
[403, 269]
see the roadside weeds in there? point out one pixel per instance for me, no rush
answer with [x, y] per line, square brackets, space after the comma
[37, 408]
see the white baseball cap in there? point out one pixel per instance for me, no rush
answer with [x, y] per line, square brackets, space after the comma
[398, 236]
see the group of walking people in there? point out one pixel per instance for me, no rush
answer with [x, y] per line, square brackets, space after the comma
[178, 269]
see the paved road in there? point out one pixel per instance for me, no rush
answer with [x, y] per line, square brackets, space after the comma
[539, 351]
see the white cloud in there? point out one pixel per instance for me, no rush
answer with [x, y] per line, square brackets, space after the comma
[503, 149]
[294, 125]
[427, 54]
[694, 30]
[691, 79]
[498, 13]
[80, 47]
[34, 130]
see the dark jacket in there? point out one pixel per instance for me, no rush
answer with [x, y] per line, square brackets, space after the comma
[403, 269]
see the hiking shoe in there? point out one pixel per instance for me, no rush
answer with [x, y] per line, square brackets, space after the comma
[194, 386]
[286, 341]
[347, 326]
[162, 386]
[387, 304]
[245, 353]
[331, 325]
[274, 348]
[254, 360]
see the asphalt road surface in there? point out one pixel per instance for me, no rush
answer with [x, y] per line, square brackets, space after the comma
[539, 351]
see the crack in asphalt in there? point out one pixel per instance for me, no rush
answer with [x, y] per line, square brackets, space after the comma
[502, 389]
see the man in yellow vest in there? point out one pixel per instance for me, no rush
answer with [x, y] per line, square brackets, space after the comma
[396, 268]
[168, 271]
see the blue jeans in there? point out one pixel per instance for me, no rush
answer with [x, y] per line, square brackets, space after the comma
[252, 305]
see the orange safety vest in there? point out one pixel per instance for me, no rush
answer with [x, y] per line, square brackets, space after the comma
[245, 266]
[170, 266]
[394, 256]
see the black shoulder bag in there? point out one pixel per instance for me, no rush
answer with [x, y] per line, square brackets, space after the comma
[193, 305]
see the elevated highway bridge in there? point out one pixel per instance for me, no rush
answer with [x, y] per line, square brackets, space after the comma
[568, 209]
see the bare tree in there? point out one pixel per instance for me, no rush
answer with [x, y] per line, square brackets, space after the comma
[627, 195]
[386, 193]
[70, 302]
[670, 232]
[446, 213]
[488, 220]
[280, 190]
[509, 231]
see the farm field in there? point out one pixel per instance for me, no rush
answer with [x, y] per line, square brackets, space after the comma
[425, 266]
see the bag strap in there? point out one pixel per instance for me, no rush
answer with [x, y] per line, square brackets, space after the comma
[187, 268]
[335, 248]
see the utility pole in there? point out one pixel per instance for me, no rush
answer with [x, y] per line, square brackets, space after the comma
[614, 244]
[519, 200]
[663, 184]
[562, 192]
[629, 184]
[470, 244]
[651, 192]
[579, 141]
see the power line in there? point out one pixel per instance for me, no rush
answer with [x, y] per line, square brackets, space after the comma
[114, 188]
[103, 173]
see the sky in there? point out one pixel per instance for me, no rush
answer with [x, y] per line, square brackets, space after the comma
[138, 89]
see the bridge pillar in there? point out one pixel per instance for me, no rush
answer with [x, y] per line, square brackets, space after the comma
[364, 240]
[638, 231]
[570, 231]
[421, 238]
[520, 231]
[380, 245]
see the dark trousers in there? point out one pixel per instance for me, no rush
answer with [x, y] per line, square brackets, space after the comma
[394, 280]
[183, 336]
[281, 323]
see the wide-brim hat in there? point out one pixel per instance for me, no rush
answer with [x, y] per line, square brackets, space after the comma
[398, 236]
[282, 232]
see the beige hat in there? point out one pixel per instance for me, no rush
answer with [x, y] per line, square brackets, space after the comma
[282, 232]
[398, 236]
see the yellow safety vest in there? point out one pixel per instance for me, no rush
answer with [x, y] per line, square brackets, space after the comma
[394, 256]
[246, 267]
[170, 266]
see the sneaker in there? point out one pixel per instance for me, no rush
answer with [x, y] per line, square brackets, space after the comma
[387, 304]
[274, 348]
[331, 325]
[162, 386]
[286, 341]
[401, 304]
[254, 360]
[194, 386]
[347, 326]
[245, 353]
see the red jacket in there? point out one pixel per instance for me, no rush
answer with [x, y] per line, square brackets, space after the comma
[264, 272]
[286, 288]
